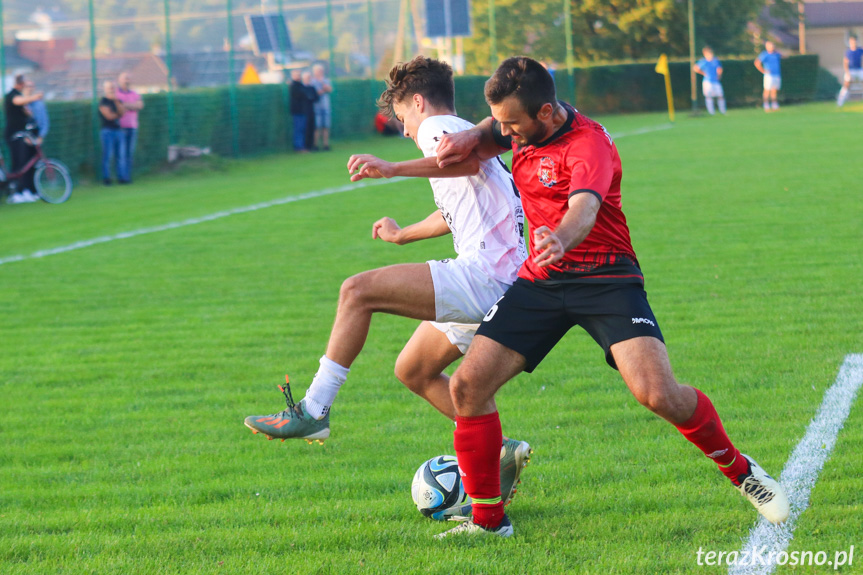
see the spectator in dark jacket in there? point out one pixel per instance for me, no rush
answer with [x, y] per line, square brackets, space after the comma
[17, 115]
[298, 111]
[311, 98]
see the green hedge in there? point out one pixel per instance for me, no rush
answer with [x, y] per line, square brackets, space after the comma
[202, 117]
[637, 87]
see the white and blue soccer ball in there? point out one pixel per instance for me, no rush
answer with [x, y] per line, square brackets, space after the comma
[437, 490]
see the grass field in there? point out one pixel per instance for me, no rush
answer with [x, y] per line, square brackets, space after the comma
[127, 367]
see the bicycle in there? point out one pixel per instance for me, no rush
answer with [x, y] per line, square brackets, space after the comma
[52, 180]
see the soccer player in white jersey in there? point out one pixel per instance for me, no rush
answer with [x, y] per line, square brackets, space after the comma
[479, 204]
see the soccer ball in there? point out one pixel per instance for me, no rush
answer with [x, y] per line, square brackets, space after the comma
[437, 490]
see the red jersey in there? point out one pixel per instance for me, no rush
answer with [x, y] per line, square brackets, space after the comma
[579, 158]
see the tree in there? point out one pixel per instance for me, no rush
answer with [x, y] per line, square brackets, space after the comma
[606, 30]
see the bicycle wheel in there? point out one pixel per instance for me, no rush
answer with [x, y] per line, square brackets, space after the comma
[53, 182]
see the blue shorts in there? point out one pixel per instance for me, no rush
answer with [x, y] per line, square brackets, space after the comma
[323, 118]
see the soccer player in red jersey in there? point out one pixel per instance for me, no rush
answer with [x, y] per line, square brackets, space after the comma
[582, 271]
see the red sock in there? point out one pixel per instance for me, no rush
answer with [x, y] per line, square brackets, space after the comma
[477, 443]
[705, 430]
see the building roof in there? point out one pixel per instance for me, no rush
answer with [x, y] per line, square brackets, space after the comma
[75, 82]
[833, 14]
[14, 61]
[207, 69]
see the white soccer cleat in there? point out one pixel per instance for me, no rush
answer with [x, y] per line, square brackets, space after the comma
[470, 528]
[764, 493]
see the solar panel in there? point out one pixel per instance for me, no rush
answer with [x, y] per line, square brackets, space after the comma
[447, 18]
[269, 33]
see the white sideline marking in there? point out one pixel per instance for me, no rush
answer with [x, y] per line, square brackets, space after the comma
[244, 209]
[645, 130]
[802, 468]
[199, 220]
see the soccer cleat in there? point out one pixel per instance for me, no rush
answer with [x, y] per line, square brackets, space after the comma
[764, 493]
[292, 423]
[514, 456]
[468, 527]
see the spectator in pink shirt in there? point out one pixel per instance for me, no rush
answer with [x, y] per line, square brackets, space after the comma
[132, 103]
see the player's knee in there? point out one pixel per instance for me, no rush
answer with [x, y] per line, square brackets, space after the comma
[409, 376]
[460, 391]
[655, 399]
[353, 290]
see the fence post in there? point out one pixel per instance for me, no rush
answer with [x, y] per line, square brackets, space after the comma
[570, 56]
[172, 135]
[232, 87]
[693, 91]
[330, 43]
[94, 102]
[2, 66]
[492, 35]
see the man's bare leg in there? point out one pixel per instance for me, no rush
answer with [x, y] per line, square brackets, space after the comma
[405, 289]
[421, 363]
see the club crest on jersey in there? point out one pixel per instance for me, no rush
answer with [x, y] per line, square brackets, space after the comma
[547, 174]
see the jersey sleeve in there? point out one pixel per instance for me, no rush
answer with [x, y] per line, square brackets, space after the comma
[429, 136]
[591, 167]
[504, 142]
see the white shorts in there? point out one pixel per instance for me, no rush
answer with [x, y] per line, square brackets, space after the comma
[463, 291]
[856, 75]
[712, 89]
[772, 82]
[463, 295]
[458, 334]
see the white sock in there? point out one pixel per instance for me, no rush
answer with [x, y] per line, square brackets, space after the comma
[721, 105]
[843, 93]
[710, 108]
[766, 104]
[325, 386]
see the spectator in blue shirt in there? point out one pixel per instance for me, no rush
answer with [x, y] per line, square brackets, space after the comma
[853, 68]
[39, 113]
[768, 63]
[711, 69]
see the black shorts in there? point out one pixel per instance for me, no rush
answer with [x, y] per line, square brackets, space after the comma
[531, 318]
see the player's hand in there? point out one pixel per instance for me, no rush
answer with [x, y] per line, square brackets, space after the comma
[548, 246]
[455, 148]
[362, 166]
[386, 229]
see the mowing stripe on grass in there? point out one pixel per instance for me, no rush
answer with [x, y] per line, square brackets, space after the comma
[244, 209]
[200, 220]
[801, 470]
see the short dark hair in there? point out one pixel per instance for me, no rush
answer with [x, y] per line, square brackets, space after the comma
[432, 79]
[524, 78]
[20, 79]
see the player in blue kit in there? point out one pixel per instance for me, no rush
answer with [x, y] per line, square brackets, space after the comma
[853, 63]
[768, 63]
[711, 69]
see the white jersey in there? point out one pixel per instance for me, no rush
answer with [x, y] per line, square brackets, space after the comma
[483, 211]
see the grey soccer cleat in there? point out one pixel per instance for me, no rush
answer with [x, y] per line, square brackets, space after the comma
[514, 456]
[292, 423]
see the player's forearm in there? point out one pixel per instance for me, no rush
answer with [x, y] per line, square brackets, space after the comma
[428, 168]
[433, 226]
[487, 148]
[578, 220]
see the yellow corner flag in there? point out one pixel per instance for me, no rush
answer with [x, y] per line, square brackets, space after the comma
[662, 68]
